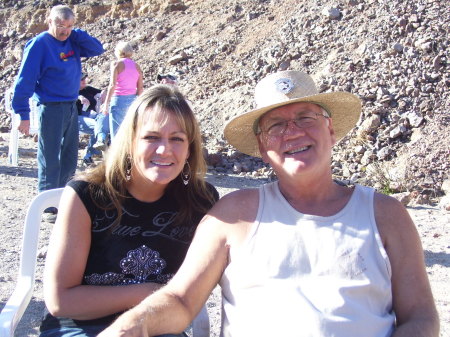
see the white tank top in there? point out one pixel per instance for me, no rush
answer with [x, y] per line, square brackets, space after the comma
[304, 275]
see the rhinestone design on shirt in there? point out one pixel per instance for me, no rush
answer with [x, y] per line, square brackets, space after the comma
[137, 267]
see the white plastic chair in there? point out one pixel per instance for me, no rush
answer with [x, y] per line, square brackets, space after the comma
[21, 296]
[200, 324]
[13, 151]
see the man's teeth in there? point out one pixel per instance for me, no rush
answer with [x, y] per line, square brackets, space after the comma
[298, 150]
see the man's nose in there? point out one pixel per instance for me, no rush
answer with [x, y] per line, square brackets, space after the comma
[292, 129]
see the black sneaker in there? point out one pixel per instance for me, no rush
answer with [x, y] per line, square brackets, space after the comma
[88, 162]
[50, 214]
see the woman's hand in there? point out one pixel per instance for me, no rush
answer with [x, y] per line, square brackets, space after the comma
[104, 109]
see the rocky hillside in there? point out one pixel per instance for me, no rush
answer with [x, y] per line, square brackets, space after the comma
[393, 54]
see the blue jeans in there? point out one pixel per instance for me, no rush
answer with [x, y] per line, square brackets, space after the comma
[88, 331]
[95, 125]
[101, 129]
[58, 144]
[118, 109]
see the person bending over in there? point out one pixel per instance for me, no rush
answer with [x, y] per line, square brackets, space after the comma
[90, 121]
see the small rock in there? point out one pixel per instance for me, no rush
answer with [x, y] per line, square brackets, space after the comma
[398, 48]
[332, 13]
[160, 35]
[42, 253]
[404, 197]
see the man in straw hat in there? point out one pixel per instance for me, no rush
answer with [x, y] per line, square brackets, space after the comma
[302, 256]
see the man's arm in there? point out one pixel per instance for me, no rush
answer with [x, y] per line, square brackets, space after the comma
[25, 84]
[413, 303]
[24, 127]
[89, 46]
[173, 307]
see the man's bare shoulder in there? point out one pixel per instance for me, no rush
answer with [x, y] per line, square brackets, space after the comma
[386, 206]
[237, 206]
[229, 221]
[392, 218]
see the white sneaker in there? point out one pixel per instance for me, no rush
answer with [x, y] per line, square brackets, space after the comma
[99, 145]
[49, 217]
[50, 214]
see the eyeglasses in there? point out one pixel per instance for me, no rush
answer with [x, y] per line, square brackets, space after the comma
[61, 27]
[278, 127]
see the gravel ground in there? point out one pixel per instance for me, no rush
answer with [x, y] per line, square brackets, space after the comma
[18, 186]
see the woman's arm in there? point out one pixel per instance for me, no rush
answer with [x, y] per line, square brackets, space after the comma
[140, 82]
[65, 265]
[115, 70]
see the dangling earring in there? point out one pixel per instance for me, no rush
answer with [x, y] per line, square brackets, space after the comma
[185, 176]
[128, 170]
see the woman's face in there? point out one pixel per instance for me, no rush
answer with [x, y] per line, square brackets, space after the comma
[160, 151]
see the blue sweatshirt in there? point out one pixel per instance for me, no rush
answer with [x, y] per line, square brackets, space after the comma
[51, 69]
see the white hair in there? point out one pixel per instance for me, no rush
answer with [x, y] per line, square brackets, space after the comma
[61, 12]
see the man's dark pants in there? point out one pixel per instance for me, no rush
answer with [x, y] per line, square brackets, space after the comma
[58, 144]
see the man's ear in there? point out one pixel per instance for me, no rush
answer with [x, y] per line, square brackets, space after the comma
[262, 150]
[331, 129]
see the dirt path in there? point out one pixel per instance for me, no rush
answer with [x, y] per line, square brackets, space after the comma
[18, 186]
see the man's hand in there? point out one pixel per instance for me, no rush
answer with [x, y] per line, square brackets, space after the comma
[83, 100]
[129, 324]
[24, 127]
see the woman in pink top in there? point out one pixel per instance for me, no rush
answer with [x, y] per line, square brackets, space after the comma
[125, 85]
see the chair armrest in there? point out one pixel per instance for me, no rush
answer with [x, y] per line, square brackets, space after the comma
[16, 306]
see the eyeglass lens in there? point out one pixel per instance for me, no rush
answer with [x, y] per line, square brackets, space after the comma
[303, 121]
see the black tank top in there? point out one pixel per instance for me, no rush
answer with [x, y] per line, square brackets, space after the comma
[144, 247]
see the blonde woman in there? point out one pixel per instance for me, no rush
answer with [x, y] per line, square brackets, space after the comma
[125, 84]
[124, 227]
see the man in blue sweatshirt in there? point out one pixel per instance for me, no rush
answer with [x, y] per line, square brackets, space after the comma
[50, 73]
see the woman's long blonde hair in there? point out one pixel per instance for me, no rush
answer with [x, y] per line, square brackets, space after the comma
[108, 180]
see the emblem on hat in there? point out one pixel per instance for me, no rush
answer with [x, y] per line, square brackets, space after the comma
[284, 85]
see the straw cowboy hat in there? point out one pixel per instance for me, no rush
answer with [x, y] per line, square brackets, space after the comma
[286, 87]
